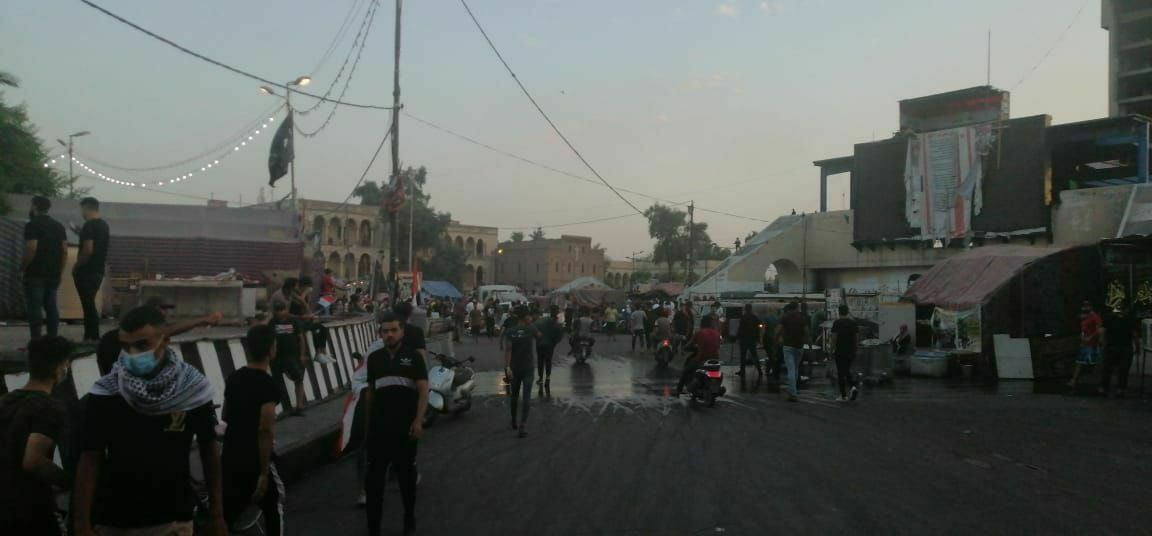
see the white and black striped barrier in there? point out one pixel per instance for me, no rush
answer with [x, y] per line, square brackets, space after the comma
[217, 358]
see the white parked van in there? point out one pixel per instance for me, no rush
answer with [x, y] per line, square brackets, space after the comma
[502, 293]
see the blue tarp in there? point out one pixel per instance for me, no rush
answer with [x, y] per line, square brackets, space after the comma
[440, 289]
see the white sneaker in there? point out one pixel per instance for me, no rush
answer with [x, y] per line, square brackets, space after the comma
[362, 500]
[323, 359]
[855, 393]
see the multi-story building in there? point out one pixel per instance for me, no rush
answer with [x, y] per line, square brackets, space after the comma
[539, 266]
[347, 238]
[1129, 24]
[619, 273]
[479, 244]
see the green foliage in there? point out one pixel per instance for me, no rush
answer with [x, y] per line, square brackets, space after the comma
[538, 234]
[641, 277]
[517, 236]
[447, 264]
[369, 193]
[22, 157]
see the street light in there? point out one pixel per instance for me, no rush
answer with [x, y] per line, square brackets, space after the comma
[71, 177]
[300, 81]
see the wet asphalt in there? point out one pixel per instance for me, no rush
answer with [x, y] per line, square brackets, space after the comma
[610, 453]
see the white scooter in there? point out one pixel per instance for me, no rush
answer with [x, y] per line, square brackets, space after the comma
[450, 387]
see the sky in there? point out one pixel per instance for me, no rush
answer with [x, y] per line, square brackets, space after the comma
[725, 103]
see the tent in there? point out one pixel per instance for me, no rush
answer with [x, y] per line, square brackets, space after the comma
[585, 292]
[439, 289]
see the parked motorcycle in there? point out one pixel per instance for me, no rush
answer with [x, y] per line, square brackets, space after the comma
[707, 383]
[450, 387]
[664, 353]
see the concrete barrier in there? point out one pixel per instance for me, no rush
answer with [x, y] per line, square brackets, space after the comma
[217, 358]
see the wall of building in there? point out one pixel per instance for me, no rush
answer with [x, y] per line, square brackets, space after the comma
[1089, 214]
[479, 244]
[349, 239]
[539, 266]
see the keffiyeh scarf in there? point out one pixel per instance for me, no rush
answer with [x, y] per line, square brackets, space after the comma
[177, 387]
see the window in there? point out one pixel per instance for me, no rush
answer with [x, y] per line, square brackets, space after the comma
[593, 268]
[569, 249]
[557, 267]
[581, 267]
[537, 267]
[569, 267]
[520, 267]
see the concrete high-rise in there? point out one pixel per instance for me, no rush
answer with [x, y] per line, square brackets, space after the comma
[1129, 24]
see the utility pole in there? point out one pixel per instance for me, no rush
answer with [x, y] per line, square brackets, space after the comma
[804, 266]
[691, 242]
[393, 220]
[71, 176]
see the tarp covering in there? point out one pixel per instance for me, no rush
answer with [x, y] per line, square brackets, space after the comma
[971, 278]
[587, 297]
[440, 289]
[581, 283]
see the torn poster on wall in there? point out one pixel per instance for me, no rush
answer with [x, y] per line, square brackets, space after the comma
[943, 179]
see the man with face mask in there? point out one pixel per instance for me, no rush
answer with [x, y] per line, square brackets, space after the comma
[397, 396]
[31, 423]
[141, 419]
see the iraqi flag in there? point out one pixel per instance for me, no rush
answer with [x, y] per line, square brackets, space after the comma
[352, 426]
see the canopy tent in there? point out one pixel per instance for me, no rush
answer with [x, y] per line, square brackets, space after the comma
[971, 278]
[440, 289]
[585, 292]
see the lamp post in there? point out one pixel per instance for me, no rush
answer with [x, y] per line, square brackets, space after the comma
[68, 144]
[298, 82]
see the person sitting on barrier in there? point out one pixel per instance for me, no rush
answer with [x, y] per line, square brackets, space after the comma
[296, 293]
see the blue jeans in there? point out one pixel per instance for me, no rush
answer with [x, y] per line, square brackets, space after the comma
[792, 358]
[40, 293]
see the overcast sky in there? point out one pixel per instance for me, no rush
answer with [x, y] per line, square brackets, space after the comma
[727, 103]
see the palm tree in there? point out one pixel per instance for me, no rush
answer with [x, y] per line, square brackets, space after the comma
[9, 79]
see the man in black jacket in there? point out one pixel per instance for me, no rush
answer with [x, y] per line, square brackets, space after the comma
[748, 333]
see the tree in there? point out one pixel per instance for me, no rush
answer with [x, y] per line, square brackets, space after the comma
[448, 264]
[517, 236]
[22, 169]
[666, 225]
[538, 234]
[369, 193]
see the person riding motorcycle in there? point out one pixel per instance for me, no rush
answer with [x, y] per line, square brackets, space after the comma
[705, 345]
[581, 329]
[663, 329]
[682, 325]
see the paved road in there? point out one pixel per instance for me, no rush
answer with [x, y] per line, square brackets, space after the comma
[609, 453]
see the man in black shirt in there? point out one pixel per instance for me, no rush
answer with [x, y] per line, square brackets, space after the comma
[140, 422]
[289, 360]
[413, 334]
[1120, 330]
[31, 424]
[683, 324]
[45, 255]
[397, 397]
[519, 365]
[250, 477]
[89, 270]
[748, 334]
[108, 349]
[845, 335]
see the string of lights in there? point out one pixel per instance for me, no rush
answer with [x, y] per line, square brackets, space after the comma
[348, 17]
[170, 179]
[347, 82]
[233, 139]
[365, 25]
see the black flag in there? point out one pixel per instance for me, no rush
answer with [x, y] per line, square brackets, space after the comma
[282, 152]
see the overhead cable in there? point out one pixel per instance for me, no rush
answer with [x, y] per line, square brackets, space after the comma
[223, 65]
[364, 24]
[347, 82]
[541, 110]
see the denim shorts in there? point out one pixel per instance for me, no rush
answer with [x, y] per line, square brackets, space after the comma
[1089, 355]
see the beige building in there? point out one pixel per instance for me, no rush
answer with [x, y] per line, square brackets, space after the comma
[539, 266]
[618, 274]
[479, 244]
[347, 238]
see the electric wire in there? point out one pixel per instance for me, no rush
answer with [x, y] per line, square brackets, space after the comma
[367, 168]
[541, 110]
[1055, 44]
[347, 82]
[339, 37]
[365, 24]
[223, 65]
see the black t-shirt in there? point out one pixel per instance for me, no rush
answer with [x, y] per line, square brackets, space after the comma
[97, 231]
[144, 480]
[749, 327]
[1118, 331]
[521, 341]
[392, 378]
[288, 333]
[23, 413]
[49, 236]
[245, 393]
[845, 330]
[414, 338]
